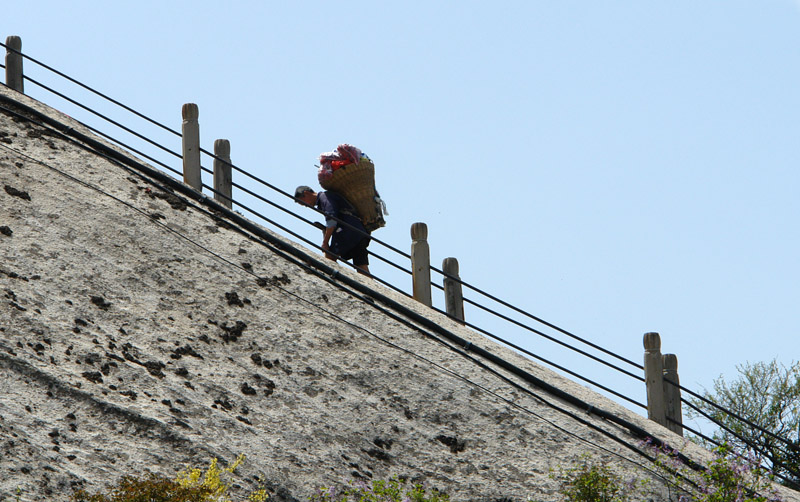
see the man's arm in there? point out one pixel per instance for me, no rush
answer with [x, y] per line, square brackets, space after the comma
[326, 242]
[329, 210]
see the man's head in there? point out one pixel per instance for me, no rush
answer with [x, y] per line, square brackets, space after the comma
[305, 195]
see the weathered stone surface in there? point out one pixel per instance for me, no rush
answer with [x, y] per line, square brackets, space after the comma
[125, 347]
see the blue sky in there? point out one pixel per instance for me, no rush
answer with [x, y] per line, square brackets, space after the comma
[612, 167]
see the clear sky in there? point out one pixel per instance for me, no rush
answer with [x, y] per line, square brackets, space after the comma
[612, 167]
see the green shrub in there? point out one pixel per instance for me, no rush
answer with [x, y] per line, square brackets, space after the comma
[191, 485]
[149, 489]
[394, 490]
[18, 495]
[591, 482]
[725, 478]
[212, 480]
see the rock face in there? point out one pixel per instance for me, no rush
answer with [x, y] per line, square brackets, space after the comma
[142, 331]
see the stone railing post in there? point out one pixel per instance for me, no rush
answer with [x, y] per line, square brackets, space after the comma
[672, 394]
[191, 146]
[654, 378]
[453, 295]
[14, 78]
[421, 263]
[223, 178]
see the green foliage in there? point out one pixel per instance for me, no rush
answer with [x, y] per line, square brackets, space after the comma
[394, 490]
[212, 480]
[768, 395]
[18, 495]
[191, 485]
[150, 489]
[592, 482]
[726, 478]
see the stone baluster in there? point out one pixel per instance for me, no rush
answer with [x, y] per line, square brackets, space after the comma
[453, 295]
[654, 378]
[223, 176]
[191, 146]
[672, 394]
[421, 263]
[14, 78]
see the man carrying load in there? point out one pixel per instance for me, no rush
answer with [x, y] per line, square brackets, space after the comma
[345, 236]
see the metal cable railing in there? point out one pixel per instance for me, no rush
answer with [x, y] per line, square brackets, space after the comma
[395, 250]
[388, 246]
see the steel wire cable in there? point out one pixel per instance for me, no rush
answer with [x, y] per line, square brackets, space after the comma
[727, 429]
[309, 222]
[637, 377]
[132, 149]
[762, 455]
[107, 119]
[166, 166]
[717, 443]
[546, 336]
[555, 340]
[555, 327]
[148, 157]
[492, 297]
[750, 444]
[394, 345]
[203, 197]
[81, 84]
[491, 311]
[555, 365]
[200, 195]
[278, 206]
[413, 354]
[477, 328]
[290, 196]
[537, 319]
[396, 317]
[172, 152]
[310, 243]
[546, 361]
[694, 431]
[718, 423]
[669, 449]
[728, 412]
[789, 482]
[597, 347]
[128, 147]
[404, 254]
[477, 290]
[391, 286]
[248, 271]
[261, 181]
[141, 115]
[281, 227]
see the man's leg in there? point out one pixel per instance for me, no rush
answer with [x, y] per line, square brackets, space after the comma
[361, 257]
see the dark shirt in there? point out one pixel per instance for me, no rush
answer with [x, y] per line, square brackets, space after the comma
[335, 206]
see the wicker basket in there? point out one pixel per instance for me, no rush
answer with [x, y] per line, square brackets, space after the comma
[356, 182]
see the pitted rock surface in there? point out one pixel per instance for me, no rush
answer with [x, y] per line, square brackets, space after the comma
[127, 347]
